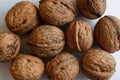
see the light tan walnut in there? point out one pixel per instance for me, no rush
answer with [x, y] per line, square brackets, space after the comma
[27, 67]
[9, 46]
[22, 17]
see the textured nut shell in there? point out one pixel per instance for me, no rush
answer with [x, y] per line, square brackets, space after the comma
[91, 8]
[63, 67]
[98, 65]
[107, 33]
[46, 41]
[22, 17]
[57, 12]
[79, 36]
[9, 46]
[27, 67]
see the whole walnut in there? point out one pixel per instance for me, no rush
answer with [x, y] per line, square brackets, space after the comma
[9, 46]
[107, 33]
[27, 67]
[22, 17]
[64, 66]
[98, 65]
[46, 41]
[91, 9]
[57, 12]
[79, 36]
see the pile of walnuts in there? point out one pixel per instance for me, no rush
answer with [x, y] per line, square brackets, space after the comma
[47, 40]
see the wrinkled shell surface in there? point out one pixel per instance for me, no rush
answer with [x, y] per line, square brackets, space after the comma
[79, 36]
[46, 41]
[63, 67]
[91, 8]
[22, 17]
[98, 65]
[57, 12]
[9, 46]
[27, 67]
[107, 33]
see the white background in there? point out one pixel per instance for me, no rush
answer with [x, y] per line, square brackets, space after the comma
[113, 8]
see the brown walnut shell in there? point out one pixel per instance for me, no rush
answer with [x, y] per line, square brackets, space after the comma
[22, 17]
[46, 41]
[9, 46]
[98, 65]
[107, 33]
[27, 67]
[64, 66]
[57, 12]
[79, 36]
[91, 9]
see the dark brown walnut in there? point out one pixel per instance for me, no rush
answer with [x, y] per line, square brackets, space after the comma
[46, 41]
[91, 9]
[22, 17]
[64, 66]
[98, 65]
[9, 46]
[107, 33]
[57, 12]
[27, 67]
[79, 36]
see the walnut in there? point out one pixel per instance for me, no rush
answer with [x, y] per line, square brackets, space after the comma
[91, 9]
[9, 46]
[22, 17]
[46, 41]
[107, 33]
[64, 66]
[27, 67]
[57, 12]
[79, 36]
[98, 65]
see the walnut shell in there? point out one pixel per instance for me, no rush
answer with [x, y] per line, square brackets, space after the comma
[9, 46]
[64, 66]
[107, 33]
[98, 65]
[27, 67]
[22, 17]
[79, 36]
[46, 41]
[57, 12]
[91, 9]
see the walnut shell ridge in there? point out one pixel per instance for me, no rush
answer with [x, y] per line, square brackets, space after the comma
[79, 36]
